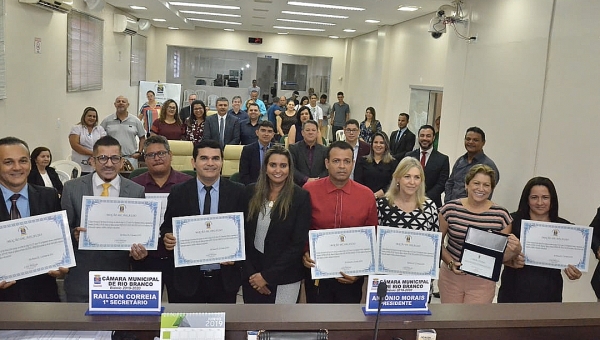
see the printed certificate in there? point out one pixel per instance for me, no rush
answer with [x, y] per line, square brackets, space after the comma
[208, 239]
[347, 250]
[163, 203]
[115, 223]
[556, 245]
[408, 252]
[35, 245]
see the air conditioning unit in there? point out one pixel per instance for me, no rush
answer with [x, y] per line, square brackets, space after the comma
[51, 5]
[125, 24]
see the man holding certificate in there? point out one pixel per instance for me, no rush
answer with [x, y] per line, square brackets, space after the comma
[24, 200]
[207, 194]
[338, 202]
[106, 182]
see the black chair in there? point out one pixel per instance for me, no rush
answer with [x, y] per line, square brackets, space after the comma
[321, 334]
[200, 82]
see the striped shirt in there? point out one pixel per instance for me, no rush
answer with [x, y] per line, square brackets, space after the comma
[460, 219]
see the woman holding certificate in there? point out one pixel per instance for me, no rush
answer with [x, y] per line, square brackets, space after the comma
[276, 232]
[404, 204]
[456, 217]
[539, 202]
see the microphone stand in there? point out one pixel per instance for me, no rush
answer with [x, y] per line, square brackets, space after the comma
[381, 293]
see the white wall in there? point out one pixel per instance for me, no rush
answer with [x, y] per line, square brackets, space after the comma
[38, 109]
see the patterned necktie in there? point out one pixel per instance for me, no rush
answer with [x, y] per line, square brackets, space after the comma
[207, 202]
[105, 187]
[423, 158]
[14, 211]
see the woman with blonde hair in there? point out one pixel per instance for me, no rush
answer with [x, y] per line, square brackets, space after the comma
[168, 123]
[405, 204]
[276, 230]
[375, 170]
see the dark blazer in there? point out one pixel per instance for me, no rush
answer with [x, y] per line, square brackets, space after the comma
[374, 176]
[302, 170]
[363, 149]
[404, 145]
[232, 129]
[40, 288]
[250, 163]
[437, 171]
[281, 262]
[36, 178]
[595, 246]
[183, 201]
[185, 113]
[77, 281]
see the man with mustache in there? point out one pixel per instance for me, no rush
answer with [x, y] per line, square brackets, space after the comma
[338, 202]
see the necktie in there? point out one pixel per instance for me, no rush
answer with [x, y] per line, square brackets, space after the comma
[222, 130]
[263, 150]
[423, 158]
[207, 202]
[14, 211]
[398, 136]
[105, 187]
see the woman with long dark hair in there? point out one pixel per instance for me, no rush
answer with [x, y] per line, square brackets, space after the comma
[168, 123]
[276, 231]
[376, 169]
[194, 124]
[41, 172]
[369, 126]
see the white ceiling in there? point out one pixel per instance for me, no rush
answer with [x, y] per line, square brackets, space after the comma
[262, 15]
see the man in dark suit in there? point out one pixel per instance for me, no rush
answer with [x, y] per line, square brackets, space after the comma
[186, 112]
[308, 155]
[105, 181]
[223, 128]
[29, 200]
[253, 154]
[437, 165]
[206, 194]
[402, 140]
[361, 149]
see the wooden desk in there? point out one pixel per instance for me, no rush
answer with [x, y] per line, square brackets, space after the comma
[574, 321]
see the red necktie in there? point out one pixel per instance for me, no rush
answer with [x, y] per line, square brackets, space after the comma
[423, 158]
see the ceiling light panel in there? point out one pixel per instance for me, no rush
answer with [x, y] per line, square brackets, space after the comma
[409, 8]
[159, 20]
[316, 15]
[371, 21]
[212, 13]
[349, 30]
[299, 29]
[307, 22]
[310, 4]
[216, 21]
[192, 4]
[138, 7]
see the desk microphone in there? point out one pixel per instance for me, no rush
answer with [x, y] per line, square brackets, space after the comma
[381, 293]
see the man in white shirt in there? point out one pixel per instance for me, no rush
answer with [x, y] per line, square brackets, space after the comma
[316, 110]
[254, 87]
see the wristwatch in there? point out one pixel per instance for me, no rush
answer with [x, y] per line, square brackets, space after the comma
[451, 264]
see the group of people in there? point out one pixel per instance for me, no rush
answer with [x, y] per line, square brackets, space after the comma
[285, 192]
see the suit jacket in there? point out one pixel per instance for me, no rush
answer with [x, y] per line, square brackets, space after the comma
[232, 129]
[302, 170]
[404, 145]
[436, 171]
[183, 201]
[76, 282]
[281, 262]
[36, 178]
[40, 288]
[250, 163]
[185, 112]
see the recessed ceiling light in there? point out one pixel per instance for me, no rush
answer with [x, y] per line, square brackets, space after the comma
[299, 29]
[334, 37]
[160, 20]
[282, 33]
[137, 7]
[229, 29]
[191, 4]
[316, 15]
[216, 21]
[309, 4]
[247, 65]
[307, 22]
[409, 8]
[349, 30]
[211, 13]
[173, 28]
[370, 21]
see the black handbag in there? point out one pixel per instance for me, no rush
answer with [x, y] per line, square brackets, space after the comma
[321, 334]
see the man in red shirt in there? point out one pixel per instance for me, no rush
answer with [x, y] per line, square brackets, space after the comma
[338, 202]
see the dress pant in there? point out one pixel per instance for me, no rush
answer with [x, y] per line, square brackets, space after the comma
[332, 291]
[210, 290]
[469, 289]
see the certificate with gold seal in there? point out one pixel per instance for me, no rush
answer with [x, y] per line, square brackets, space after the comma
[35, 245]
[115, 223]
[209, 239]
[347, 250]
